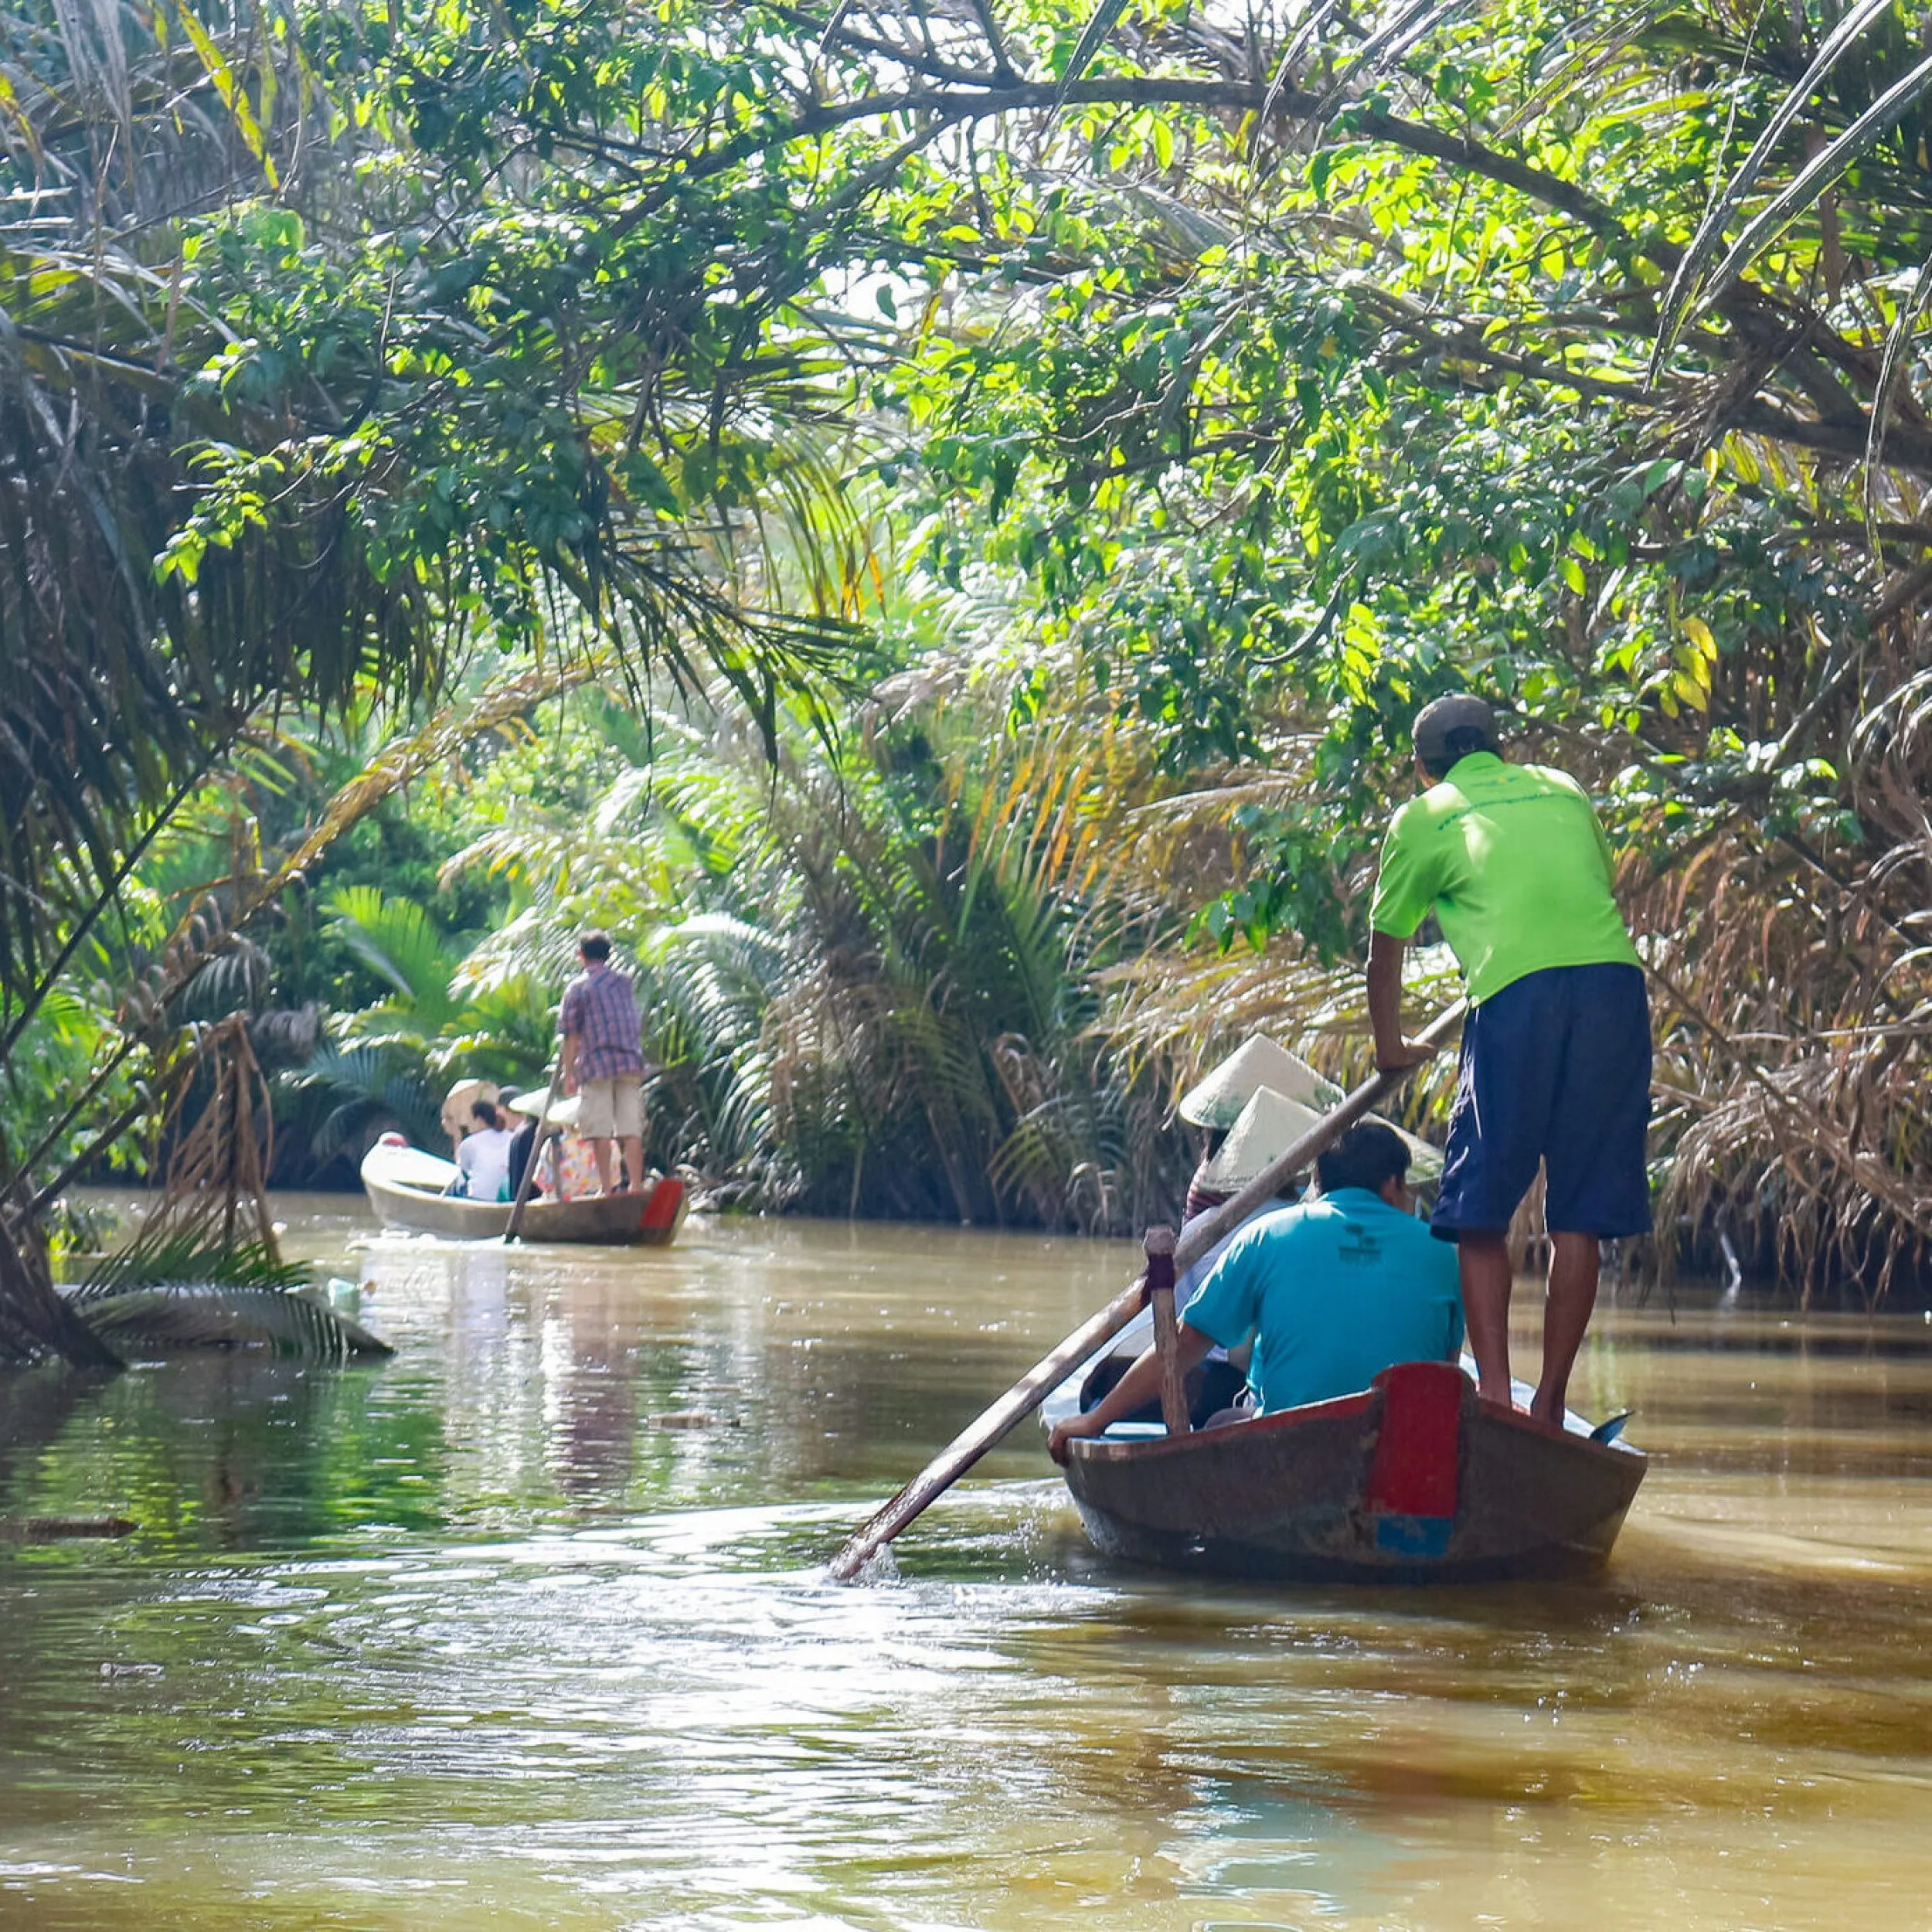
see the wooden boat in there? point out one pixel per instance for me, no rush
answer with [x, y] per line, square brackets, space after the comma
[405, 1187]
[1411, 1481]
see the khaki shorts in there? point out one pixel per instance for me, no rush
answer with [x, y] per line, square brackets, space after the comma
[611, 1109]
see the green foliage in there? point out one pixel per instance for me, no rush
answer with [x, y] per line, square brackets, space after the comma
[189, 1256]
[865, 985]
[1197, 404]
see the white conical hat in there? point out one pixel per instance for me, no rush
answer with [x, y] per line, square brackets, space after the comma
[1217, 1100]
[1267, 1127]
[564, 1114]
[460, 1099]
[1271, 1123]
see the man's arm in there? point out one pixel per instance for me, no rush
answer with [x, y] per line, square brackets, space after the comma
[567, 1064]
[1405, 890]
[1140, 1385]
[1394, 1049]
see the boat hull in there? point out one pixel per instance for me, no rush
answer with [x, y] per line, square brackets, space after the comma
[1413, 1480]
[651, 1218]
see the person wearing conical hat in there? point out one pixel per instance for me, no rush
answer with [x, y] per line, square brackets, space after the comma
[1215, 1102]
[457, 1104]
[1556, 1050]
[1217, 1099]
[1267, 1127]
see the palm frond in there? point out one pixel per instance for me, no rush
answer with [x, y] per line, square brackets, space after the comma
[220, 1315]
[1828, 166]
[1688, 284]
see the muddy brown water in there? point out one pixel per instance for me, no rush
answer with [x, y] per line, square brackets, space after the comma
[528, 1628]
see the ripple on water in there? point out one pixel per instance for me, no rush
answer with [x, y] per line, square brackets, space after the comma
[476, 1638]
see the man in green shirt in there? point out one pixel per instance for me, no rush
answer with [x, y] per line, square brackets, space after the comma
[1556, 1051]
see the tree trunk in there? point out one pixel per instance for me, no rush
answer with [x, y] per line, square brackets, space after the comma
[35, 1321]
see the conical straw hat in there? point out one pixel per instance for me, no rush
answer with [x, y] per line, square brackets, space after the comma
[1218, 1100]
[460, 1099]
[564, 1114]
[1267, 1127]
[1270, 1124]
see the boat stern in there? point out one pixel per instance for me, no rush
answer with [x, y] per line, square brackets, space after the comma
[1410, 1496]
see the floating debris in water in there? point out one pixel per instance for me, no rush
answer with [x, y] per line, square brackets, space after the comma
[48, 1529]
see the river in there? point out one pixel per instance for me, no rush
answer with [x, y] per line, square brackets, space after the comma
[528, 1628]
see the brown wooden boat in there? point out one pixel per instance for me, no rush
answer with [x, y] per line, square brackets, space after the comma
[1412, 1481]
[404, 1185]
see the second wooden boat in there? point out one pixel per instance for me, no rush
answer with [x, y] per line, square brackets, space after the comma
[1411, 1481]
[405, 1187]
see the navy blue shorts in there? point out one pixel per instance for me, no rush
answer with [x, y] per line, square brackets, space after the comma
[1556, 1068]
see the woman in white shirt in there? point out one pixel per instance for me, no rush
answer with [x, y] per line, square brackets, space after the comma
[484, 1156]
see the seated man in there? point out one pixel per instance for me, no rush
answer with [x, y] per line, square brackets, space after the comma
[1333, 1292]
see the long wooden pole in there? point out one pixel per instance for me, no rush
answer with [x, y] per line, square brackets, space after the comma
[513, 1228]
[1200, 1234]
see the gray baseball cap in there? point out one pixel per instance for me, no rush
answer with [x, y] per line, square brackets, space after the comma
[1459, 712]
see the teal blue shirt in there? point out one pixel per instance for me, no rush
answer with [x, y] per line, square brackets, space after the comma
[1333, 1292]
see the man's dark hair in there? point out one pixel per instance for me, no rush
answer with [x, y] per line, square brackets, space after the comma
[485, 1111]
[1369, 1155]
[1460, 743]
[595, 946]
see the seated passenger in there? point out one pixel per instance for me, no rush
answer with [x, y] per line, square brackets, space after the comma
[1216, 1104]
[522, 1141]
[1333, 1292]
[458, 1122]
[484, 1156]
[1268, 1125]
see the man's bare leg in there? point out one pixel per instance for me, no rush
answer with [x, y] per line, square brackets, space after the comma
[600, 1154]
[1572, 1294]
[633, 1161]
[1483, 1258]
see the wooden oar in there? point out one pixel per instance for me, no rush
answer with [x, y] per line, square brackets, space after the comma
[1033, 1388]
[513, 1228]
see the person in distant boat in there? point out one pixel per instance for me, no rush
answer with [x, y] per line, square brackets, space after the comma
[1556, 1050]
[485, 1155]
[1333, 1291]
[604, 1060]
[523, 1133]
[457, 1103]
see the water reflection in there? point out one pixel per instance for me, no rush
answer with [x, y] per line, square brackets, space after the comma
[527, 1626]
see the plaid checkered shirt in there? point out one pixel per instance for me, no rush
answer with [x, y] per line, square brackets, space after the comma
[600, 1008]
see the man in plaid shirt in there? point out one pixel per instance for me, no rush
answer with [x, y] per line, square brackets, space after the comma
[604, 1059]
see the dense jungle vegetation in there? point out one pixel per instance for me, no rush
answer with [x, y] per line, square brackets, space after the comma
[930, 520]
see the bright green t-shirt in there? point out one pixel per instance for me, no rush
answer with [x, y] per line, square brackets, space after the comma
[1512, 863]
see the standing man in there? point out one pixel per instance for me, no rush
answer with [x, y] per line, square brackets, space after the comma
[604, 1059]
[1556, 1051]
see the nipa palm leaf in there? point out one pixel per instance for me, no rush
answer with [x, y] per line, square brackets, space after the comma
[215, 1315]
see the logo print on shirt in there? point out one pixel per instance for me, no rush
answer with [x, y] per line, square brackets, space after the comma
[1358, 1248]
